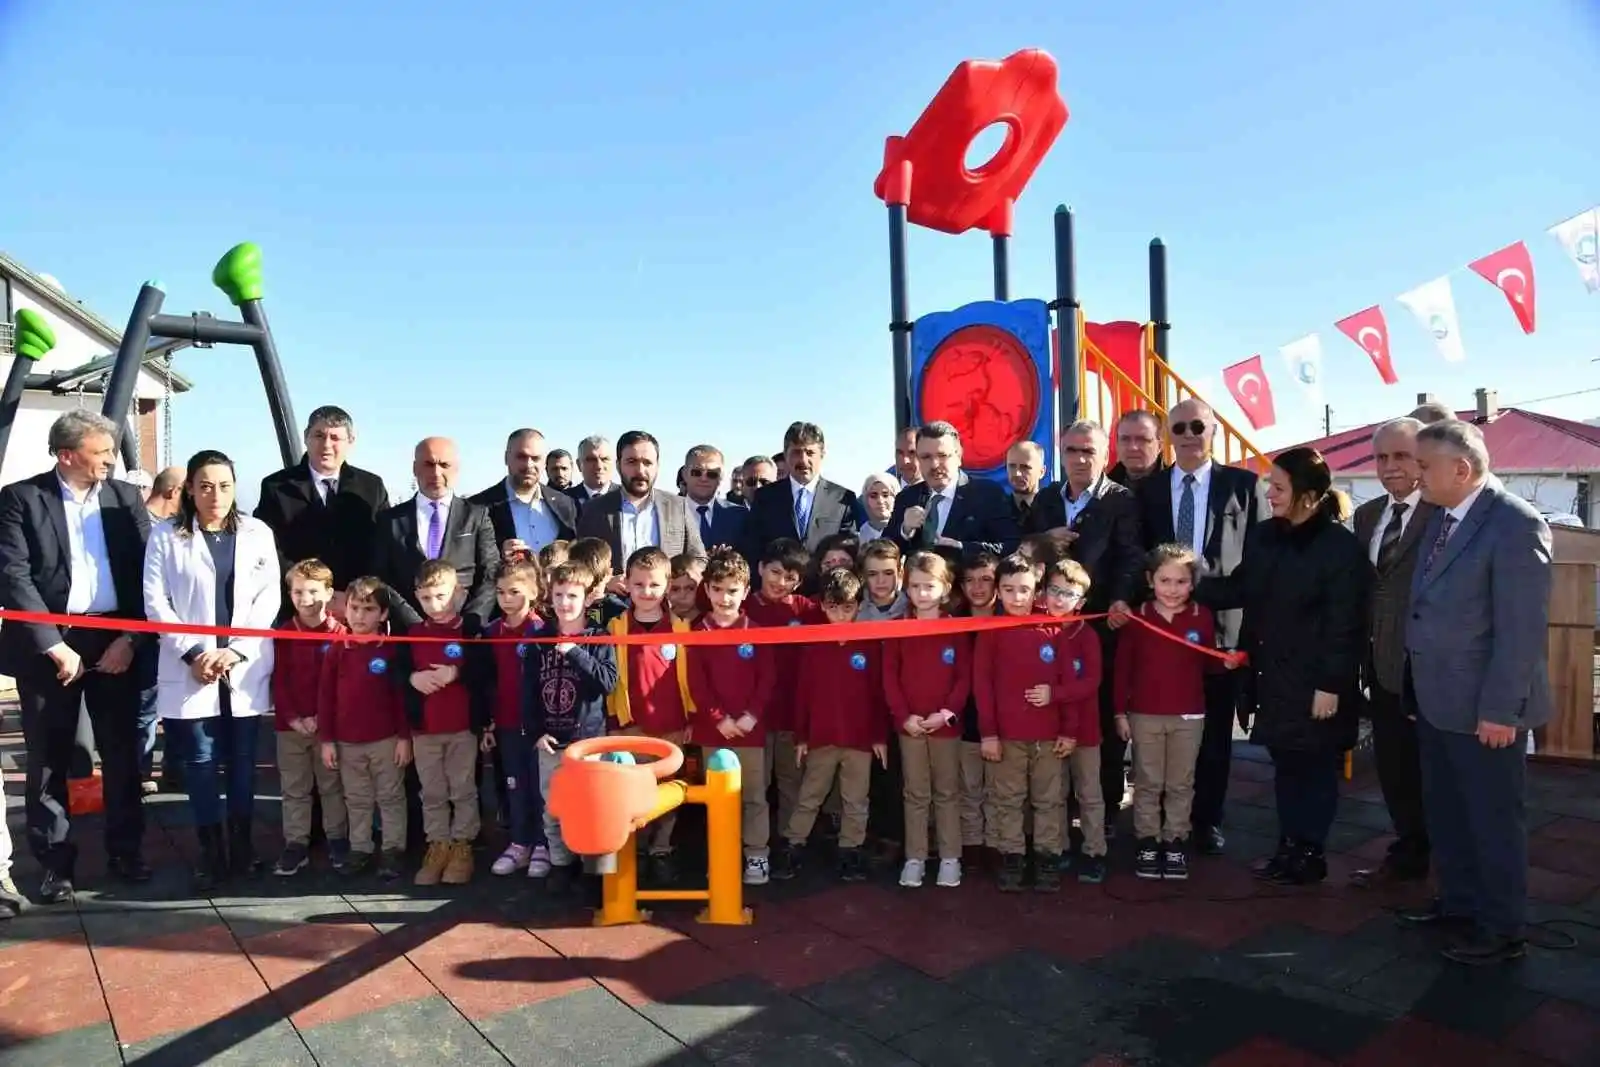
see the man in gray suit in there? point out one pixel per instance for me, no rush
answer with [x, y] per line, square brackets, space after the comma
[1391, 527]
[636, 514]
[1475, 665]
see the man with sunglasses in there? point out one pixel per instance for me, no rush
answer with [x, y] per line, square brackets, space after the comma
[720, 522]
[1213, 509]
[757, 471]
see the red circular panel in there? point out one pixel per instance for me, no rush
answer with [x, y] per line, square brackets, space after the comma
[982, 380]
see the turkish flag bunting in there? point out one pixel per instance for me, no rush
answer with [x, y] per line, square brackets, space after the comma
[1369, 330]
[1510, 270]
[1247, 381]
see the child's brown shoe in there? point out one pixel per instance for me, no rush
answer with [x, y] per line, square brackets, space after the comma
[458, 863]
[433, 863]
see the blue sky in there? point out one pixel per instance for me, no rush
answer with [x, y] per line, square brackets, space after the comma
[661, 216]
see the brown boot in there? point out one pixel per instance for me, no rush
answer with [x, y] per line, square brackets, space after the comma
[433, 863]
[458, 865]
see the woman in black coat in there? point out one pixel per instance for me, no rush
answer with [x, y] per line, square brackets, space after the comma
[1303, 585]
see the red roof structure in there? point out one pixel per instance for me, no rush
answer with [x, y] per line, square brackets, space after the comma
[1520, 442]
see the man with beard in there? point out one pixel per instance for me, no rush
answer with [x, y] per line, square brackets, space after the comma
[1024, 472]
[558, 469]
[527, 515]
[636, 514]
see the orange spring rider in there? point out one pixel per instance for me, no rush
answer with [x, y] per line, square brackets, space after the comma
[603, 798]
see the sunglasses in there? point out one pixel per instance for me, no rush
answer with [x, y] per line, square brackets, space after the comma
[1194, 427]
[757, 483]
[705, 472]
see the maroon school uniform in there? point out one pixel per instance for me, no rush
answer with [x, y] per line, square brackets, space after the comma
[297, 671]
[792, 610]
[1009, 663]
[1157, 675]
[360, 698]
[448, 711]
[840, 698]
[505, 709]
[923, 676]
[654, 700]
[726, 681]
[1078, 653]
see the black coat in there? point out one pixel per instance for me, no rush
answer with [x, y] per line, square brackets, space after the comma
[1304, 593]
[340, 532]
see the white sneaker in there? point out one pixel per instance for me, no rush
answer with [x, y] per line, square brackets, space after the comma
[912, 874]
[539, 862]
[512, 860]
[757, 871]
[949, 873]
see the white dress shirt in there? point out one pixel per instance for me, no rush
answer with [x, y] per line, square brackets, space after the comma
[535, 526]
[92, 591]
[1459, 512]
[1410, 502]
[637, 527]
[425, 513]
[1202, 513]
[325, 484]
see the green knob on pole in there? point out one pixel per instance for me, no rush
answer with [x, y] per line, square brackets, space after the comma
[238, 273]
[31, 337]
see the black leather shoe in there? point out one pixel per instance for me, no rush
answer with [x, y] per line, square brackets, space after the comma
[1432, 916]
[1387, 874]
[1210, 841]
[1482, 949]
[128, 869]
[55, 889]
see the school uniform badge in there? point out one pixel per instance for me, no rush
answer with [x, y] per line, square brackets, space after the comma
[858, 661]
[452, 651]
[747, 651]
[669, 652]
[1193, 636]
[948, 656]
[522, 651]
[377, 665]
[1077, 668]
[1047, 653]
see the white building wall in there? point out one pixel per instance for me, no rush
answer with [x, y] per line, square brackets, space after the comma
[1553, 492]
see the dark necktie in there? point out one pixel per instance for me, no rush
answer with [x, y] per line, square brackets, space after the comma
[930, 522]
[328, 489]
[1391, 534]
[1445, 527]
[705, 524]
[1183, 529]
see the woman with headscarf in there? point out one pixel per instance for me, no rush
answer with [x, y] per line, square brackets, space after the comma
[877, 504]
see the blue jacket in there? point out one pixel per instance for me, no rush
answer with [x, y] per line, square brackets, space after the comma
[564, 693]
[726, 520]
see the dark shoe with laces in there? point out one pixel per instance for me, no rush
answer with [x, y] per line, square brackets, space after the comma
[56, 888]
[1275, 863]
[294, 859]
[1306, 866]
[1147, 861]
[1046, 872]
[785, 861]
[852, 865]
[391, 864]
[1175, 861]
[1013, 866]
[1092, 870]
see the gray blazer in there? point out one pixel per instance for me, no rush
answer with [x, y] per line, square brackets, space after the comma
[1476, 634]
[601, 518]
[1391, 592]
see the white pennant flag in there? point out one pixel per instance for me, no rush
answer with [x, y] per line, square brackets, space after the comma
[1304, 358]
[1580, 236]
[1435, 307]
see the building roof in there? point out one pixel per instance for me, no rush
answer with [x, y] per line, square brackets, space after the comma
[1519, 441]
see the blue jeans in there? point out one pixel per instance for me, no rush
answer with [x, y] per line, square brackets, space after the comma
[207, 743]
[520, 762]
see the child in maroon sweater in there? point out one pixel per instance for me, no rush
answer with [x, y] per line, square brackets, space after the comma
[1078, 656]
[841, 723]
[732, 688]
[361, 722]
[927, 681]
[782, 568]
[1027, 731]
[296, 674]
[1160, 703]
[516, 590]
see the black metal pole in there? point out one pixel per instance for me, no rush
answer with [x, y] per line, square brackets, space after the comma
[1065, 306]
[899, 322]
[272, 378]
[16, 379]
[204, 329]
[129, 361]
[1158, 298]
[1002, 267]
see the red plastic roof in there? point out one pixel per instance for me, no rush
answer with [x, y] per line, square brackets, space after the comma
[1519, 442]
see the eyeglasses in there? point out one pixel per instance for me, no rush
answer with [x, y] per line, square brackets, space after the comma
[1064, 593]
[1194, 427]
[756, 482]
[706, 472]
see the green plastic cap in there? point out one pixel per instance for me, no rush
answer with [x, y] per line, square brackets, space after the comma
[32, 338]
[238, 273]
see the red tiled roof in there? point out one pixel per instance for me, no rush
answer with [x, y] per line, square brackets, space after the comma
[1519, 441]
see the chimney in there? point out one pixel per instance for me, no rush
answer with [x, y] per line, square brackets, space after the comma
[1425, 398]
[1488, 404]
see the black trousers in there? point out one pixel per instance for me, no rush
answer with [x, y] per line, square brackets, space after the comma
[1215, 760]
[1113, 750]
[49, 712]
[1399, 763]
[1306, 785]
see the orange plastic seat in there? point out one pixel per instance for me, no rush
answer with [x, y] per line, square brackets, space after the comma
[599, 802]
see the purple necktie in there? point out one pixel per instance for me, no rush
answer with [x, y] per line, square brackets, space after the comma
[1445, 527]
[435, 531]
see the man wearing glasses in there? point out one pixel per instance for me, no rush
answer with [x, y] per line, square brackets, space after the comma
[720, 522]
[1213, 509]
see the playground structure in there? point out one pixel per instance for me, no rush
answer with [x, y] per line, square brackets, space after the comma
[1035, 376]
[603, 797]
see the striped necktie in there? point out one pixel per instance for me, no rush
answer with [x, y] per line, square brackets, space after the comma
[1391, 534]
[1437, 548]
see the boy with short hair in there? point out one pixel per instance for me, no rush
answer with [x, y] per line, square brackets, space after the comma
[776, 603]
[683, 587]
[565, 688]
[550, 556]
[516, 590]
[440, 707]
[841, 723]
[651, 697]
[977, 601]
[879, 566]
[595, 555]
[296, 675]
[732, 687]
[361, 723]
[1079, 657]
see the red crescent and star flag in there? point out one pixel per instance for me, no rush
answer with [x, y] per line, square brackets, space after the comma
[1510, 270]
[1370, 331]
[1247, 381]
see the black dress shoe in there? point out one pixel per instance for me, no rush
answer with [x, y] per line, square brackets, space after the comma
[1482, 949]
[1432, 916]
[1387, 874]
[1210, 841]
[55, 889]
[128, 868]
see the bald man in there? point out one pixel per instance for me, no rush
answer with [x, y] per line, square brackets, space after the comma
[436, 524]
[165, 492]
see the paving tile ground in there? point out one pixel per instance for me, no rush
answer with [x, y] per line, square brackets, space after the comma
[1221, 971]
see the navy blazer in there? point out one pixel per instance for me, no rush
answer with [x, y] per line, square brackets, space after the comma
[981, 517]
[727, 522]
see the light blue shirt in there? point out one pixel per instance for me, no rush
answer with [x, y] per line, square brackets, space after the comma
[93, 591]
[1076, 504]
[639, 528]
[535, 526]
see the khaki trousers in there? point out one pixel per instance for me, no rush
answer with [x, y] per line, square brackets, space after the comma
[1027, 778]
[1082, 776]
[931, 774]
[853, 769]
[785, 773]
[447, 768]
[370, 779]
[300, 769]
[1164, 751]
[972, 794]
[755, 814]
[560, 854]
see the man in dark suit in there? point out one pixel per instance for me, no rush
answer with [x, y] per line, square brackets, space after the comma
[72, 543]
[638, 515]
[597, 470]
[1025, 475]
[1138, 447]
[1098, 521]
[801, 504]
[1214, 510]
[1391, 527]
[720, 522]
[947, 510]
[323, 507]
[436, 524]
[526, 514]
[1476, 667]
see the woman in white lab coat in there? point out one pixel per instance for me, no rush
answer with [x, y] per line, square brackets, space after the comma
[211, 566]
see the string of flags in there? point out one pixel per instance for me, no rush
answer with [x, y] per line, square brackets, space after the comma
[1433, 305]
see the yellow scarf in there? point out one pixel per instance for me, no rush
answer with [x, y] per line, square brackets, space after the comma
[617, 701]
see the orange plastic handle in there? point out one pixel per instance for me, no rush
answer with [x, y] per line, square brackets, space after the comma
[669, 757]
